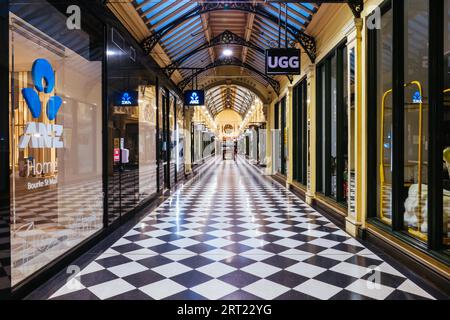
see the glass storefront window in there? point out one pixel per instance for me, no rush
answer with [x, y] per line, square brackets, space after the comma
[446, 127]
[300, 127]
[332, 153]
[147, 142]
[132, 110]
[56, 136]
[345, 121]
[384, 115]
[180, 138]
[333, 157]
[173, 139]
[416, 118]
[351, 165]
[413, 178]
[284, 137]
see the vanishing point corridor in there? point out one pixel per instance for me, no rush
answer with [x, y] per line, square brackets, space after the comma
[199, 155]
[233, 234]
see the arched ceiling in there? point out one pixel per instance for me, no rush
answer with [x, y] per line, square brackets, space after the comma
[239, 81]
[232, 97]
[184, 36]
[194, 34]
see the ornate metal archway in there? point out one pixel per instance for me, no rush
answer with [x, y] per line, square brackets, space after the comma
[227, 37]
[231, 61]
[306, 41]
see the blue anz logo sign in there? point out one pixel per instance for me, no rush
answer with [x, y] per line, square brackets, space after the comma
[38, 134]
[127, 99]
[194, 97]
[417, 97]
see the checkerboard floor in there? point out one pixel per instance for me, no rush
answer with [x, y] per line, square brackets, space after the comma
[233, 234]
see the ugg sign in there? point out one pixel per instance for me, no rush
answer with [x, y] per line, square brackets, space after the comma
[282, 61]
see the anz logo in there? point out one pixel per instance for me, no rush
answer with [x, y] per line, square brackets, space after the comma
[194, 98]
[37, 134]
[126, 99]
[417, 97]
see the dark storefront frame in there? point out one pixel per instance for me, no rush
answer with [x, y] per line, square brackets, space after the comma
[300, 128]
[280, 124]
[434, 244]
[283, 139]
[93, 13]
[324, 163]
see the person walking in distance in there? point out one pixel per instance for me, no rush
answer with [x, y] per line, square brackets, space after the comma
[235, 150]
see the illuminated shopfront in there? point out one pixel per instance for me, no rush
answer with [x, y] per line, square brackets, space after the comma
[55, 142]
[409, 124]
[81, 135]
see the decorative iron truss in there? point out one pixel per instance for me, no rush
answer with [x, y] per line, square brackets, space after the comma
[357, 6]
[227, 37]
[228, 98]
[237, 99]
[230, 61]
[306, 41]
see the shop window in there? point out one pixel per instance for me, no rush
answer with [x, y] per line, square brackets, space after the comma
[351, 184]
[276, 139]
[300, 127]
[415, 118]
[384, 117]
[56, 138]
[406, 132]
[180, 132]
[172, 139]
[162, 139]
[147, 142]
[332, 128]
[284, 137]
[446, 130]
[132, 166]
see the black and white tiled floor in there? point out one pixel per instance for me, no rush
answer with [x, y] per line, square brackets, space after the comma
[233, 234]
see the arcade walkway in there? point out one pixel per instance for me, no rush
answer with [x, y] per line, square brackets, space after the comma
[235, 234]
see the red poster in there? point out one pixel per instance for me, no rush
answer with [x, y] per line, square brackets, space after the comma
[116, 154]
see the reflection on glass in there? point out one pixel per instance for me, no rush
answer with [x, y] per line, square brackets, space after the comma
[147, 142]
[416, 118]
[352, 131]
[180, 139]
[323, 107]
[446, 128]
[173, 139]
[284, 134]
[384, 114]
[333, 160]
[56, 192]
[344, 134]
